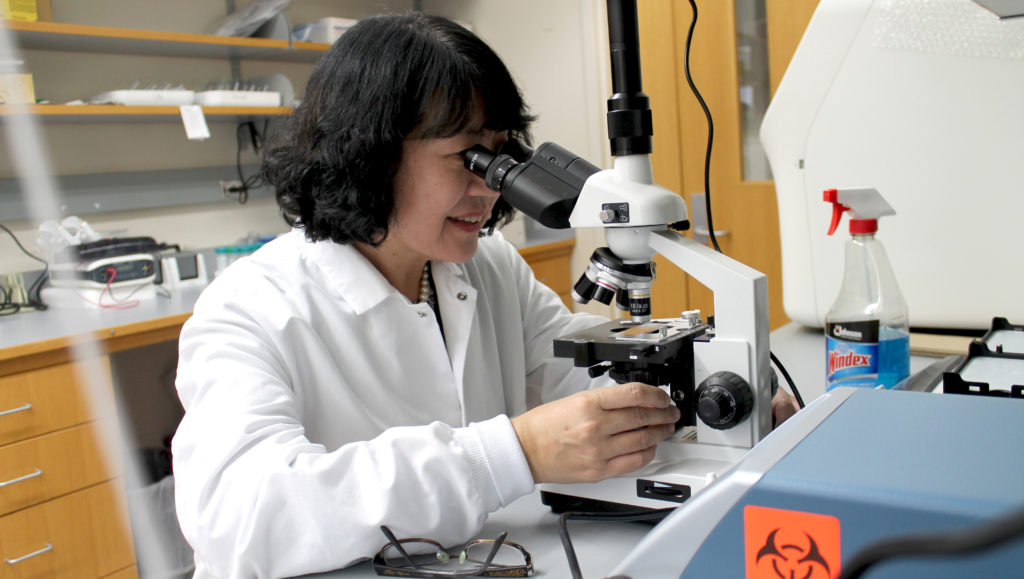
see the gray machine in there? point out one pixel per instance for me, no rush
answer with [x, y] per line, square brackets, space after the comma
[854, 468]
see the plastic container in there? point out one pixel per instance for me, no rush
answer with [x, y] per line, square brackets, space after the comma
[867, 329]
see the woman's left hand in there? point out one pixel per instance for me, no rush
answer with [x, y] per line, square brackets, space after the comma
[784, 405]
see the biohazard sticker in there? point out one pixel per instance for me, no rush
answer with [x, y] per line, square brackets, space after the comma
[782, 544]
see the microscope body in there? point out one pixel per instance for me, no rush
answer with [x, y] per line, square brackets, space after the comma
[718, 375]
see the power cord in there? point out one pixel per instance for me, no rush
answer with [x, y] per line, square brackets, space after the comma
[707, 178]
[255, 139]
[7, 305]
[627, 517]
[954, 542]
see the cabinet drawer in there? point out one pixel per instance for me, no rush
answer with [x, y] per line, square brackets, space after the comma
[84, 534]
[48, 399]
[41, 468]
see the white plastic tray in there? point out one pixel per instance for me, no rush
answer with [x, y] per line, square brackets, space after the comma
[238, 98]
[146, 97]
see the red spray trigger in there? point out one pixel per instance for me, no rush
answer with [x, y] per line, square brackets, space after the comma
[832, 196]
[865, 205]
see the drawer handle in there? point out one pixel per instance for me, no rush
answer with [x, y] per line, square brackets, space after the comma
[14, 410]
[21, 478]
[48, 547]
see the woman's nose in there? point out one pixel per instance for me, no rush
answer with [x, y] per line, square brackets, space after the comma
[478, 188]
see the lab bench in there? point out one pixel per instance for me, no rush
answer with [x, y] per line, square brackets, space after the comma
[63, 507]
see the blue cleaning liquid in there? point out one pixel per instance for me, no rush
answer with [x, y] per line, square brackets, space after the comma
[893, 360]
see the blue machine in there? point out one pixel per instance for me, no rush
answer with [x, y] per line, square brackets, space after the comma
[855, 467]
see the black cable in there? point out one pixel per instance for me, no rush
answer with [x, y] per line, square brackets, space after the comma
[246, 183]
[954, 542]
[711, 127]
[563, 529]
[789, 379]
[37, 301]
[707, 177]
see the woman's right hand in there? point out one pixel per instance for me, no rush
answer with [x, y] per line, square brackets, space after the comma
[595, 434]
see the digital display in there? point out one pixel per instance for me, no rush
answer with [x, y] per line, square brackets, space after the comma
[188, 266]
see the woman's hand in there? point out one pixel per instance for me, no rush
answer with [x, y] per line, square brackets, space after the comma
[784, 405]
[595, 434]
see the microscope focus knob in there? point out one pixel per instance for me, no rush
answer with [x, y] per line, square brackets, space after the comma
[724, 399]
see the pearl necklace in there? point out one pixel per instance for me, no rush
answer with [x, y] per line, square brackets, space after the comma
[426, 288]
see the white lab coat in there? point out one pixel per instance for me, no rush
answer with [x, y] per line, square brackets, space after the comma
[320, 404]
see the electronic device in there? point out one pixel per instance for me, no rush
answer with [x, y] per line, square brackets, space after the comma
[922, 101]
[116, 271]
[182, 269]
[718, 374]
[856, 468]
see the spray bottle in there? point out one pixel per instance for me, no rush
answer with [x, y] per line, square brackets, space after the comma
[867, 330]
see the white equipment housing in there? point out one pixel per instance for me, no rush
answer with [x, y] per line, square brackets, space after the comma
[921, 100]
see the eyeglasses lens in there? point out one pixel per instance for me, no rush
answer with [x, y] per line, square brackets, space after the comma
[507, 556]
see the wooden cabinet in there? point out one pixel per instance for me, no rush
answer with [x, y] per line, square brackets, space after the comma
[63, 511]
[551, 267]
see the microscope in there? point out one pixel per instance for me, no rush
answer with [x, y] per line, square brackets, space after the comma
[716, 370]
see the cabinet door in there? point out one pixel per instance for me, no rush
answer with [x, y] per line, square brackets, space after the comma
[550, 265]
[739, 52]
[38, 401]
[84, 534]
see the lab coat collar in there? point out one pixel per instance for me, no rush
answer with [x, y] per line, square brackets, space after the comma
[363, 287]
[355, 279]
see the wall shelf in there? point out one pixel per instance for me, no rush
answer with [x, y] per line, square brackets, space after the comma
[121, 113]
[101, 39]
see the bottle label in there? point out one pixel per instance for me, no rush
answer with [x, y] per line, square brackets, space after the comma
[851, 354]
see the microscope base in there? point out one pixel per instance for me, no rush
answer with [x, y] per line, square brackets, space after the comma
[679, 471]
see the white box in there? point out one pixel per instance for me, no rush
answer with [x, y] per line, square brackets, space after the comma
[325, 30]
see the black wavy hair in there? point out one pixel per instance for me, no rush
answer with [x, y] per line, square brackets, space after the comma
[386, 79]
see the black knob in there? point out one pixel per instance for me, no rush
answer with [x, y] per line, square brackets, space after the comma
[724, 400]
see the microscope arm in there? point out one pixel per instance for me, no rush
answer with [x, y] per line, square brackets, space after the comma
[740, 344]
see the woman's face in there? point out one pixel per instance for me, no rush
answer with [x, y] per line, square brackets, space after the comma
[440, 206]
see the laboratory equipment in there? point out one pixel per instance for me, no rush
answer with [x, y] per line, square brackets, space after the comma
[993, 366]
[182, 269]
[822, 487]
[867, 332]
[104, 273]
[920, 99]
[717, 374]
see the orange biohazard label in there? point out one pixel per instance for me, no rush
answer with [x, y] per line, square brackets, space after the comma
[783, 544]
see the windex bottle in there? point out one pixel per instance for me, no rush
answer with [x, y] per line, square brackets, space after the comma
[867, 330]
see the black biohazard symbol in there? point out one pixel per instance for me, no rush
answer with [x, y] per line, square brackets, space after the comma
[793, 561]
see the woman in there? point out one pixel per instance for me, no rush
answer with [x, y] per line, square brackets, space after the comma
[384, 364]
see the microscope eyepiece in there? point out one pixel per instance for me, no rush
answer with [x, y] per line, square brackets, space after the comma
[543, 184]
[492, 167]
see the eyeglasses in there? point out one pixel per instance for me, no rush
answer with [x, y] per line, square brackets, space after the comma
[428, 558]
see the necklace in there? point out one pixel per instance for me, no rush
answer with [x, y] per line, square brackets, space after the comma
[428, 295]
[426, 287]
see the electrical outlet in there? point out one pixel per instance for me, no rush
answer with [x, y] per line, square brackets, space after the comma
[229, 189]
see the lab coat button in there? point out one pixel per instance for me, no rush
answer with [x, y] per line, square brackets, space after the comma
[462, 296]
[421, 314]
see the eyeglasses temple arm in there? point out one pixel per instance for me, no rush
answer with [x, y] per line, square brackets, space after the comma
[494, 549]
[397, 545]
